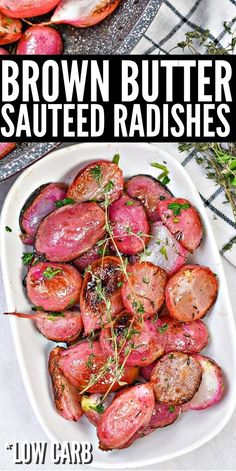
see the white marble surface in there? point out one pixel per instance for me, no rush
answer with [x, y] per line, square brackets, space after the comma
[18, 422]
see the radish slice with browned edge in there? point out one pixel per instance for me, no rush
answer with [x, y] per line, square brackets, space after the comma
[138, 342]
[10, 29]
[97, 251]
[183, 220]
[211, 388]
[130, 225]
[125, 416]
[70, 231]
[164, 250]
[144, 290]
[53, 286]
[105, 274]
[27, 8]
[176, 378]
[94, 406]
[38, 205]
[191, 292]
[86, 366]
[6, 148]
[187, 337]
[40, 40]
[149, 191]
[67, 399]
[97, 181]
[83, 13]
[63, 326]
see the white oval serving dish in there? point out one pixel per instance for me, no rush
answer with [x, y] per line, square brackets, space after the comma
[193, 429]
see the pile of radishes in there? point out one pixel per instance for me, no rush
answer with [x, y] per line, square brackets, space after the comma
[108, 278]
[43, 38]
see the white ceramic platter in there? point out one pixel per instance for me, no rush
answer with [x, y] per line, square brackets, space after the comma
[193, 429]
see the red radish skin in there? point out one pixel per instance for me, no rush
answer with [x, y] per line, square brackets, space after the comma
[6, 148]
[93, 309]
[186, 226]
[94, 403]
[145, 287]
[186, 337]
[10, 29]
[4, 52]
[26, 8]
[176, 378]
[164, 250]
[70, 231]
[67, 399]
[41, 40]
[59, 326]
[92, 255]
[56, 293]
[128, 413]
[130, 225]
[146, 371]
[211, 388]
[38, 205]
[99, 180]
[191, 292]
[145, 343]
[149, 191]
[81, 362]
[83, 13]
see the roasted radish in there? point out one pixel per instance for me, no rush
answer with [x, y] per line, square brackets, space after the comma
[97, 251]
[130, 225]
[191, 292]
[144, 289]
[10, 29]
[211, 388]
[176, 378]
[82, 366]
[128, 413]
[67, 399]
[149, 191]
[83, 13]
[38, 205]
[94, 406]
[70, 231]
[6, 148]
[99, 180]
[57, 326]
[104, 278]
[26, 8]
[53, 286]
[183, 220]
[40, 40]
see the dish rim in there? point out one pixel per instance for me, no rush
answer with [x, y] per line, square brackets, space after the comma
[224, 288]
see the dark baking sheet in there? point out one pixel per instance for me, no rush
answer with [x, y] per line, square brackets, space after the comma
[118, 34]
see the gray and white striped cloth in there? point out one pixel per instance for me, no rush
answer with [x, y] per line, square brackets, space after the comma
[174, 19]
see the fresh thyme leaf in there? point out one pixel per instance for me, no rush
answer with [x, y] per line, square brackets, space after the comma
[61, 203]
[116, 159]
[178, 207]
[27, 258]
[53, 315]
[8, 229]
[171, 408]
[96, 173]
[120, 284]
[107, 188]
[50, 272]
[163, 252]
[129, 203]
[37, 308]
[163, 328]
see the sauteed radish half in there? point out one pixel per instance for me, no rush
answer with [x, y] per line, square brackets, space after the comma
[108, 276]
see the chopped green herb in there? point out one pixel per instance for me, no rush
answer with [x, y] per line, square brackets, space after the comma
[96, 173]
[163, 328]
[171, 356]
[50, 272]
[108, 187]
[171, 408]
[120, 284]
[99, 408]
[146, 280]
[53, 315]
[163, 177]
[27, 258]
[116, 159]
[129, 203]
[71, 303]
[163, 252]
[178, 207]
[37, 308]
[61, 203]
[8, 229]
